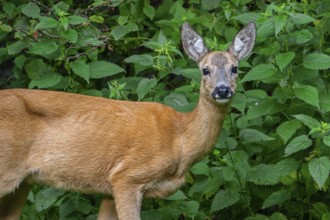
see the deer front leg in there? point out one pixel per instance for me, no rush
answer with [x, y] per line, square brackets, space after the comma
[107, 210]
[128, 198]
[11, 204]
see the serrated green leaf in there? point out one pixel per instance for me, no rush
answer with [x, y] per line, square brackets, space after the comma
[245, 18]
[47, 197]
[316, 61]
[224, 199]
[149, 11]
[20, 61]
[178, 195]
[75, 19]
[279, 22]
[308, 94]
[260, 72]
[287, 129]
[300, 37]
[264, 107]
[326, 140]
[286, 166]
[100, 69]
[190, 73]
[190, 208]
[35, 68]
[5, 27]
[145, 86]
[276, 198]
[201, 168]
[80, 68]
[263, 174]
[31, 10]
[43, 48]
[278, 216]
[96, 19]
[46, 22]
[9, 8]
[299, 18]
[143, 59]
[71, 35]
[319, 169]
[299, 143]
[283, 59]
[121, 30]
[249, 135]
[46, 80]
[177, 101]
[309, 121]
[16, 47]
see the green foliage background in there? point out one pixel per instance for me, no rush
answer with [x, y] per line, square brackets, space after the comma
[272, 160]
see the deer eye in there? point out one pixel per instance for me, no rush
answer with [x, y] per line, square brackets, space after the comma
[206, 71]
[234, 69]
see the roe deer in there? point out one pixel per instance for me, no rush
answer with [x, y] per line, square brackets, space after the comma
[128, 150]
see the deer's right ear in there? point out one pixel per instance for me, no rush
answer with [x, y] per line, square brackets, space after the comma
[192, 43]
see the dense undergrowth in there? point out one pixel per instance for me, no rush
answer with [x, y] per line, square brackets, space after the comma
[272, 159]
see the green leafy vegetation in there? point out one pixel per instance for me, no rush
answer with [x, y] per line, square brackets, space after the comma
[272, 160]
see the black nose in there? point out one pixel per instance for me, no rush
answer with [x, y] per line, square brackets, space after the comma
[223, 91]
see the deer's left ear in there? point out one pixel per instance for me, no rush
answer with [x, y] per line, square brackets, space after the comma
[244, 41]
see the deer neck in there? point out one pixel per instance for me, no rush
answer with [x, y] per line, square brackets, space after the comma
[200, 130]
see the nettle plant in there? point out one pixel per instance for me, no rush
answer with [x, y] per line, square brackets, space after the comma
[272, 160]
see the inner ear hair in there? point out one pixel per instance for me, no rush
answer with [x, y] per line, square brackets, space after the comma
[244, 41]
[192, 43]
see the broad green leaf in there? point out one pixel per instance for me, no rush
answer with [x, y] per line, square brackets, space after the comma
[319, 169]
[239, 102]
[189, 208]
[46, 22]
[325, 102]
[263, 174]
[46, 80]
[287, 129]
[286, 166]
[190, 73]
[9, 8]
[145, 86]
[47, 197]
[280, 21]
[5, 27]
[299, 143]
[100, 69]
[317, 61]
[265, 107]
[177, 101]
[224, 199]
[256, 94]
[96, 19]
[326, 140]
[249, 135]
[71, 35]
[201, 168]
[31, 10]
[178, 195]
[283, 59]
[80, 68]
[43, 48]
[121, 30]
[299, 18]
[143, 59]
[149, 11]
[278, 216]
[210, 4]
[16, 47]
[300, 37]
[276, 198]
[36, 68]
[307, 93]
[75, 19]
[245, 18]
[260, 72]
[20, 61]
[309, 121]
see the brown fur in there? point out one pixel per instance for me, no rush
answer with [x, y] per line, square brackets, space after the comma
[129, 150]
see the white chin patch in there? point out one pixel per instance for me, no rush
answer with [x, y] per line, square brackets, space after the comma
[222, 101]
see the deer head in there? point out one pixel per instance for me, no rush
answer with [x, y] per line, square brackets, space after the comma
[219, 68]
